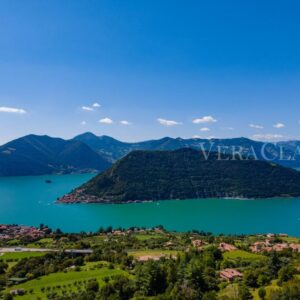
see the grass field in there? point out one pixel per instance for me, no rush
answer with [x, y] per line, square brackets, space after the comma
[20, 255]
[240, 254]
[65, 282]
[144, 237]
[139, 253]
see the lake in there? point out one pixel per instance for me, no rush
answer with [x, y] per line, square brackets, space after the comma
[30, 201]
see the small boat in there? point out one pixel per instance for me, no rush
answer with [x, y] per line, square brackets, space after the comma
[48, 181]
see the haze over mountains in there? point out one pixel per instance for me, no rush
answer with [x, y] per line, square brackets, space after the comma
[38, 155]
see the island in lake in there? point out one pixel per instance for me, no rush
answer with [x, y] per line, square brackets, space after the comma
[186, 174]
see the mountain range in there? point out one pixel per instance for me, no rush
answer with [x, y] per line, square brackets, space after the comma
[284, 153]
[186, 174]
[37, 155]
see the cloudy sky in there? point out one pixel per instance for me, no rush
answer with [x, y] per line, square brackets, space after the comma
[137, 70]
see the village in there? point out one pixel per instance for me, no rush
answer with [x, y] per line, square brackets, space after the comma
[16, 231]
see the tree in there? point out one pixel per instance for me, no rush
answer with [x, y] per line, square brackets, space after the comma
[286, 273]
[93, 286]
[274, 264]
[262, 293]
[212, 295]
[3, 267]
[291, 290]
[263, 279]
[8, 297]
[151, 278]
[244, 293]
[250, 278]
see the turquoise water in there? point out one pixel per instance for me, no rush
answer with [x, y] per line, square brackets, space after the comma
[30, 201]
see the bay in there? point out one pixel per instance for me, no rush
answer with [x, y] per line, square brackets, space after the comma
[31, 201]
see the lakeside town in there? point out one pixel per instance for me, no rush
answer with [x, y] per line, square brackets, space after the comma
[250, 266]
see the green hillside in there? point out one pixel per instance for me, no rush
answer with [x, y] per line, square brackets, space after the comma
[187, 174]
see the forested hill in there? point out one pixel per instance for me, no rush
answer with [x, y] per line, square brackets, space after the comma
[186, 174]
[38, 155]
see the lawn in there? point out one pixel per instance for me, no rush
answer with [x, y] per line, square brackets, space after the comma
[240, 254]
[65, 282]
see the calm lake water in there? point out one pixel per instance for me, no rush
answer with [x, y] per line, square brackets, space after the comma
[30, 201]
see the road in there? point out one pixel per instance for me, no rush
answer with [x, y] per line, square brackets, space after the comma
[20, 249]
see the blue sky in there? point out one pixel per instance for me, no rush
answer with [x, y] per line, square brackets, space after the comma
[168, 68]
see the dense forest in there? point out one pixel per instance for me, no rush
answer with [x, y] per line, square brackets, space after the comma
[187, 174]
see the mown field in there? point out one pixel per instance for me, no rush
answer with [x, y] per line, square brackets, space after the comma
[243, 255]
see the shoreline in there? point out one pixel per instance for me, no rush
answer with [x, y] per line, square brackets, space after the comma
[92, 200]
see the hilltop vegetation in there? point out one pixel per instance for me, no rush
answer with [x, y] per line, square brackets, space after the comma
[187, 174]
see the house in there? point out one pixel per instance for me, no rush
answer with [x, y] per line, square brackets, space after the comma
[258, 247]
[118, 232]
[198, 243]
[169, 244]
[230, 274]
[295, 247]
[226, 247]
[261, 246]
[280, 247]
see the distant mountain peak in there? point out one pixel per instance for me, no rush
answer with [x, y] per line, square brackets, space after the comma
[37, 155]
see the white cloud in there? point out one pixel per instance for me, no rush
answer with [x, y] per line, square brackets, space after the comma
[227, 128]
[203, 129]
[12, 110]
[91, 108]
[204, 138]
[87, 108]
[279, 125]
[267, 137]
[83, 123]
[256, 126]
[205, 119]
[168, 122]
[106, 121]
[124, 122]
